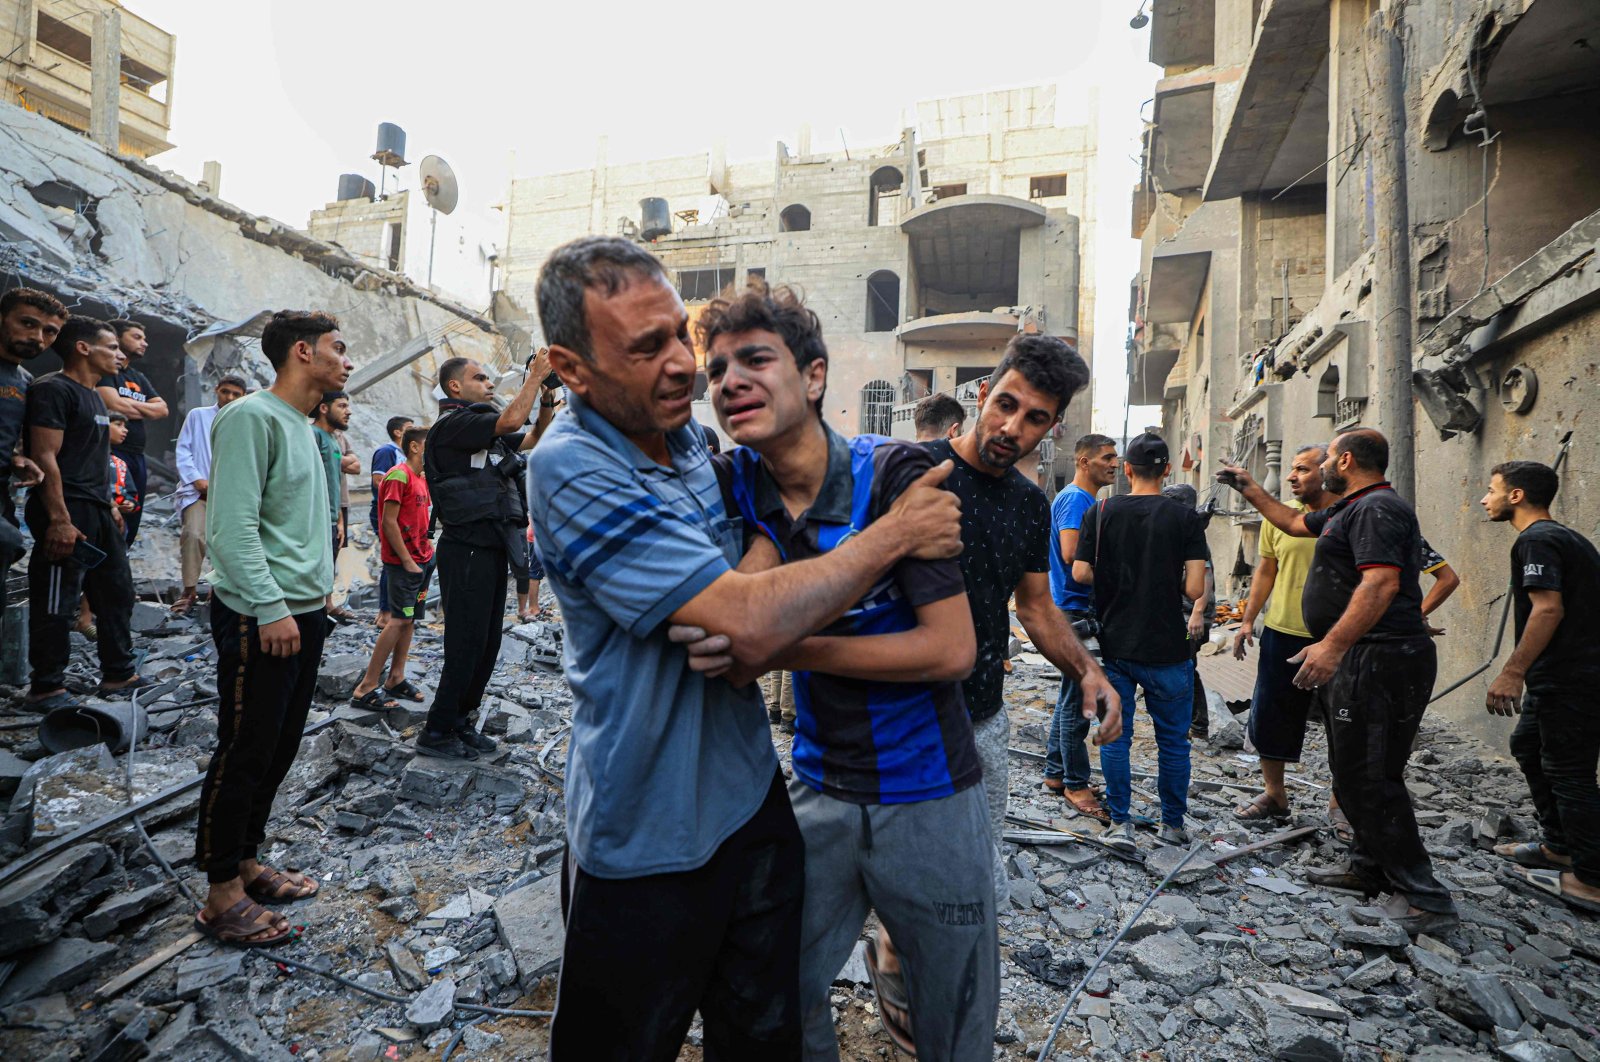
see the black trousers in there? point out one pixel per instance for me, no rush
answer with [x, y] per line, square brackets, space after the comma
[109, 586]
[1372, 708]
[139, 475]
[1557, 743]
[259, 723]
[472, 588]
[643, 954]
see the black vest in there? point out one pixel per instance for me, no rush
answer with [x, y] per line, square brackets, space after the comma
[491, 493]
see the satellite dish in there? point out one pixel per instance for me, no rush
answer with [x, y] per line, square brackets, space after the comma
[439, 186]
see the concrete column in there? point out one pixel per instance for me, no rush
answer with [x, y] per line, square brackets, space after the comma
[1273, 482]
[105, 80]
[1391, 286]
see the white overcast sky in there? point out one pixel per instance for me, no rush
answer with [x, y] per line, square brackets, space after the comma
[287, 94]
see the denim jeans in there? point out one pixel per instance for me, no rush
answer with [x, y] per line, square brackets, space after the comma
[1065, 754]
[1169, 700]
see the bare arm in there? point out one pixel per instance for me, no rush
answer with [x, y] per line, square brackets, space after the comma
[515, 415]
[1054, 637]
[350, 464]
[1069, 545]
[115, 403]
[1445, 581]
[62, 535]
[1194, 582]
[1289, 521]
[1321, 659]
[1505, 692]
[940, 648]
[391, 534]
[1083, 572]
[152, 408]
[1260, 589]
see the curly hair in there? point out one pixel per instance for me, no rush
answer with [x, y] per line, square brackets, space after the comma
[780, 310]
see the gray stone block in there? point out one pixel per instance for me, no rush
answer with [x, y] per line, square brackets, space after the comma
[104, 920]
[529, 920]
[1174, 960]
[434, 1006]
[36, 906]
[55, 968]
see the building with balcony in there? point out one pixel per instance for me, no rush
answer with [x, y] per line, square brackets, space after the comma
[922, 257]
[47, 61]
[1320, 252]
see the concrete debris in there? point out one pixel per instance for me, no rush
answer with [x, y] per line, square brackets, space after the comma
[60, 965]
[1299, 1001]
[124, 906]
[36, 907]
[1173, 959]
[200, 972]
[434, 1006]
[531, 928]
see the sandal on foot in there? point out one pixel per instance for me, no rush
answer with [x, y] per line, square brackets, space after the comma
[242, 921]
[1341, 825]
[890, 988]
[1087, 804]
[374, 700]
[185, 604]
[268, 886]
[140, 682]
[1549, 882]
[55, 701]
[1262, 808]
[1529, 854]
[406, 690]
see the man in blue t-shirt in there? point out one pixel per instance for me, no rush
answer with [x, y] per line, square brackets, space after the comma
[684, 865]
[1066, 765]
[886, 788]
[385, 458]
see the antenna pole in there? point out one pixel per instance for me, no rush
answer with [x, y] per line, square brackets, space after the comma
[433, 236]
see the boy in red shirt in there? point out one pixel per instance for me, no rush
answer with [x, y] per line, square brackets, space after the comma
[404, 508]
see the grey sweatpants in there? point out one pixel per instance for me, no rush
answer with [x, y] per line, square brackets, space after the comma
[993, 738]
[925, 868]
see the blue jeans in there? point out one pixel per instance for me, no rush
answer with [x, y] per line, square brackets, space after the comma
[1169, 699]
[1065, 754]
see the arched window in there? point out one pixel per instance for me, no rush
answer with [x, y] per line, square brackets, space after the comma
[883, 301]
[1328, 393]
[883, 196]
[877, 408]
[795, 218]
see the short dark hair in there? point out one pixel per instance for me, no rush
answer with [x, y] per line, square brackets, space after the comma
[1183, 493]
[330, 397]
[607, 263]
[453, 369]
[412, 435]
[936, 414]
[1088, 444]
[289, 327]
[236, 381]
[115, 417]
[781, 310]
[1538, 482]
[42, 301]
[397, 424]
[1048, 363]
[122, 325]
[78, 328]
[1367, 446]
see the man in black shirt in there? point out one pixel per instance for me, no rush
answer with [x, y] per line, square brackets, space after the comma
[474, 475]
[128, 391]
[1144, 553]
[1372, 667]
[78, 534]
[1005, 533]
[1557, 659]
[29, 322]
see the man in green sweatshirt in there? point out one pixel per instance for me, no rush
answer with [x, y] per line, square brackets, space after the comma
[267, 530]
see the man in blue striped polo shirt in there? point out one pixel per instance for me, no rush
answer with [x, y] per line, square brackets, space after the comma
[886, 773]
[684, 866]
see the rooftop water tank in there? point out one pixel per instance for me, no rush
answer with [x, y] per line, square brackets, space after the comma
[355, 186]
[655, 219]
[391, 145]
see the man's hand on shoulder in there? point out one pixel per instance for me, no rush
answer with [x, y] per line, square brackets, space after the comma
[927, 518]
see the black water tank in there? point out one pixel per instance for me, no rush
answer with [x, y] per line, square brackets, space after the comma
[391, 145]
[355, 186]
[655, 219]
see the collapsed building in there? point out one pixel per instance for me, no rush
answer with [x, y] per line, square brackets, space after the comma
[1380, 215]
[921, 257]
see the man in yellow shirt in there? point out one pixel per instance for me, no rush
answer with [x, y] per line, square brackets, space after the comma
[1279, 708]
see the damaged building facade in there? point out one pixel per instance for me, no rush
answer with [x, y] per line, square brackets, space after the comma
[1347, 204]
[922, 257]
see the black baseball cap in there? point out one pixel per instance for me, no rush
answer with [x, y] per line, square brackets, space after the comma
[1147, 450]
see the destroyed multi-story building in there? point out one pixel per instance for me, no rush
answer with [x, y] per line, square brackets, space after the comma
[1376, 214]
[921, 257]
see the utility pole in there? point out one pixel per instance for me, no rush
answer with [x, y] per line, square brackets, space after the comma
[105, 80]
[1391, 282]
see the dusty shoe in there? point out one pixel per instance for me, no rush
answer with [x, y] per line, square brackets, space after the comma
[1397, 909]
[1174, 835]
[443, 746]
[1121, 837]
[476, 741]
[1341, 876]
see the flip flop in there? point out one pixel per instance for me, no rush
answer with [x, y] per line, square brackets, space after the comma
[238, 923]
[890, 988]
[1548, 882]
[140, 682]
[46, 705]
[405, 689]
[374, 701]
[1262, 809]
[1529, 854]
[267, 883]
[1087, 804]
[1341, 825]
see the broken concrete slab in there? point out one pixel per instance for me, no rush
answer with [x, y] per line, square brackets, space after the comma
[530, 925]
[854, 971]
[407, 972]
[12, 768]
[200, 972]
[37, 905]
[1385, 934]
[435, 783]
[338, 675]
[1293, 1039]
[1491, 996]
[1174, 960]
[434, 1006]
[122, 907]
[85, 789]
[1541, 1009]
[1374, 973]
[1299, 1001]
[56, 967]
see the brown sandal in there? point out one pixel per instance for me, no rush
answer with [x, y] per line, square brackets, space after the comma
[267, 885]
[1261, 808]
[1086, 803]
[241, 922]
[1341, 825]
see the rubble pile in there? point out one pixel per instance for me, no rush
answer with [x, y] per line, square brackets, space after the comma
[441, 890]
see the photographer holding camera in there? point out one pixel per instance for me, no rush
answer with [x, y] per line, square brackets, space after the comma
[474, 469]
